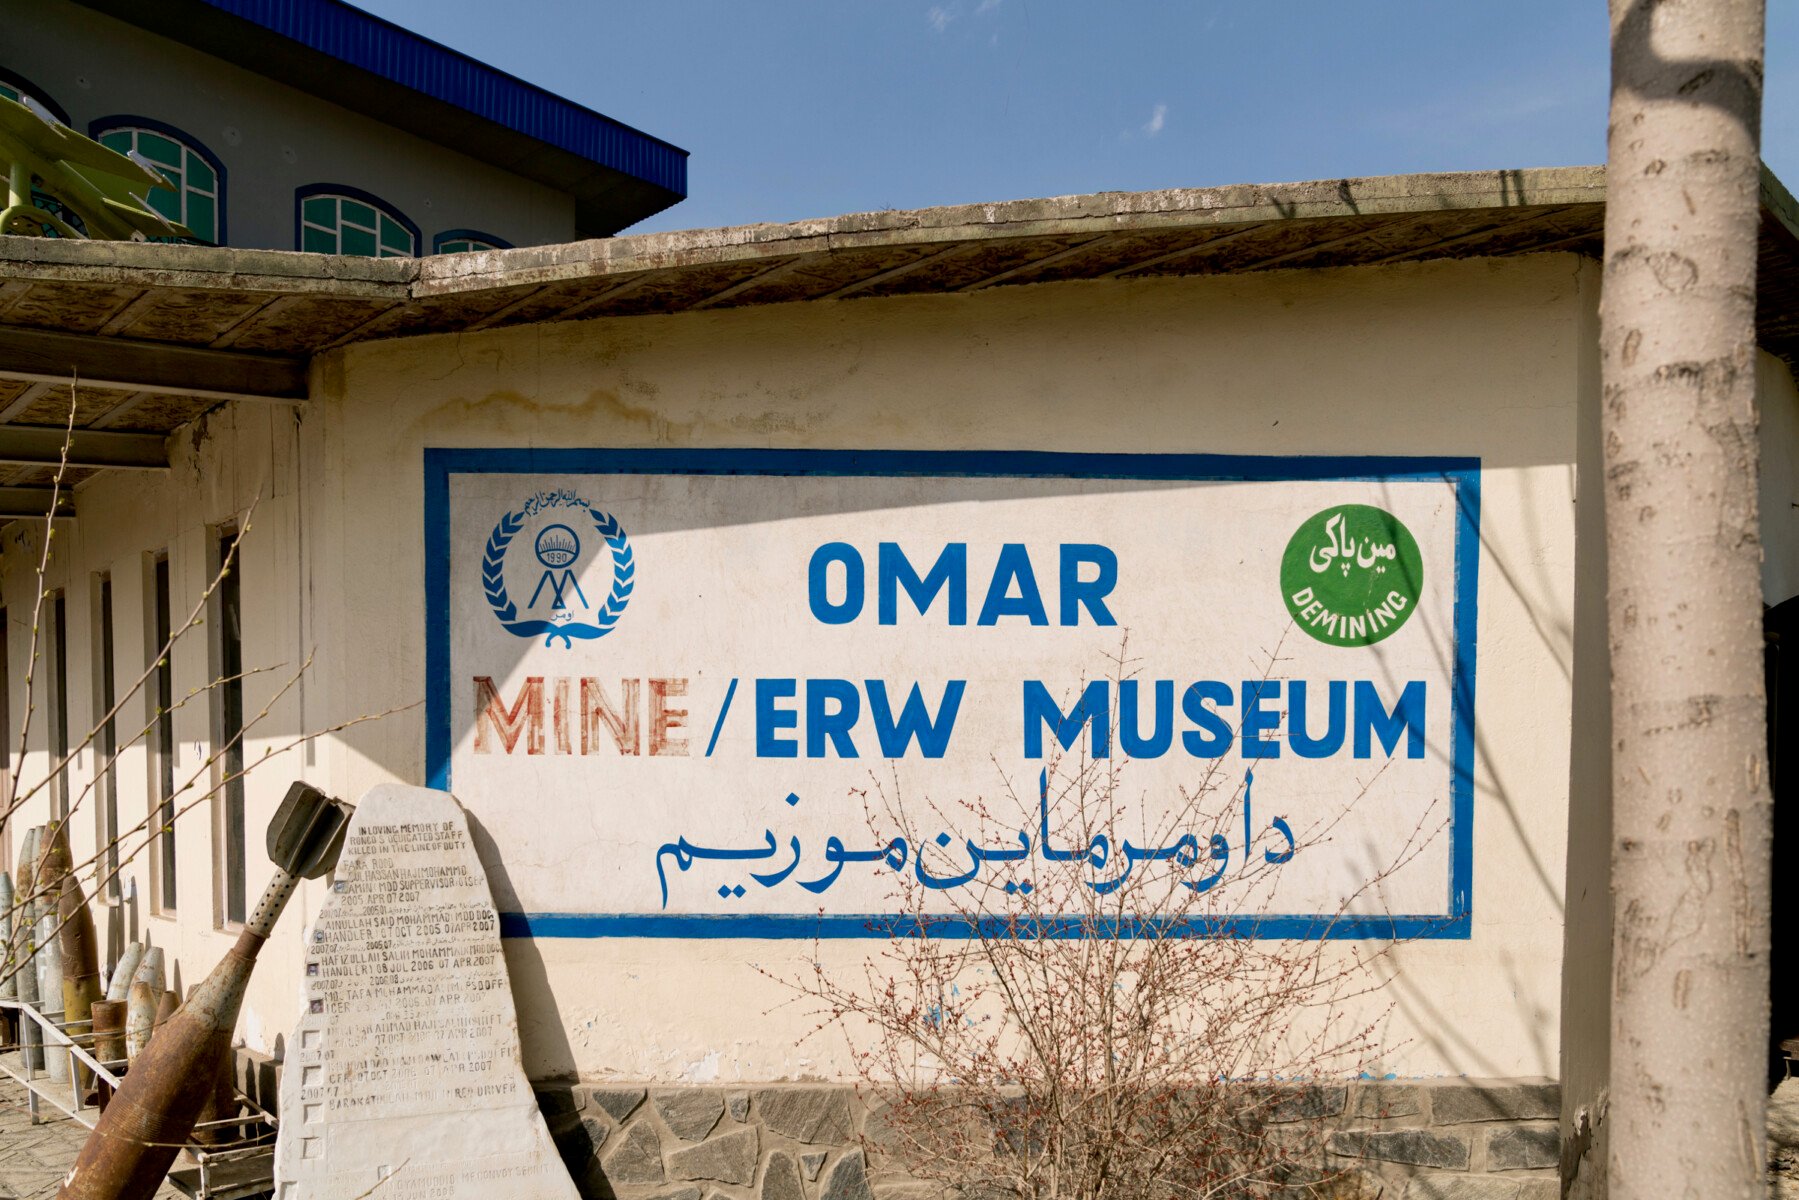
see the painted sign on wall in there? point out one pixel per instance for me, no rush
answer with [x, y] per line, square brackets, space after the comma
[666, 683]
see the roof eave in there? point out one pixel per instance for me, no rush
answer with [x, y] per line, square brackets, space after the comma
[641, 176]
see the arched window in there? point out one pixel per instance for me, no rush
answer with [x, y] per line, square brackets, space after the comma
[196, 197]
[21, 90]
[334, 219]
[462, 241]
[16, 87]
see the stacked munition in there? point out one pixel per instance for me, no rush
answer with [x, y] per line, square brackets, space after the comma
[110, 1013]
[52, 866]
[9, 987]
[31, 1038]
[49, 990]
[124, 971]
[141, 1001]
[137, 1137]
[109, 1030]
[221, 1104]
[80, 964]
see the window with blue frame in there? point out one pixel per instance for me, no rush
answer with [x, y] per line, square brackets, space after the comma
[196, 195]
[22, 91]
[18, 88]
[466, 241]
[335, 220]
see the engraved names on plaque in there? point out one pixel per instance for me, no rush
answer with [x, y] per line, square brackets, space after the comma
[404, 1069]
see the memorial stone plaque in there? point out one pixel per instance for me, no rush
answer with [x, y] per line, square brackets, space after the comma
[404, 1075]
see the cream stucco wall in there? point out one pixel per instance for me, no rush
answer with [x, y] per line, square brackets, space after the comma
[1480, 358]
[222, 465]
[1465, 358]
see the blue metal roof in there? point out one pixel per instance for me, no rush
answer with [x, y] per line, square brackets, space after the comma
[365, 41]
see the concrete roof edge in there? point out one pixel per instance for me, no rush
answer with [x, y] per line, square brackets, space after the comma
[1778, 201]
[277, 272]
[29, 259]
[1093, 214]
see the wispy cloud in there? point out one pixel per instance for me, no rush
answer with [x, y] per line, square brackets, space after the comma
[939, 18]
[1157, 118]
[987, 6]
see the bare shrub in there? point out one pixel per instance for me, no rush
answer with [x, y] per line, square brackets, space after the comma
[1101, 1019]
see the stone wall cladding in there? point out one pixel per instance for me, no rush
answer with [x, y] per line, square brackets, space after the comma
[1453, 1139]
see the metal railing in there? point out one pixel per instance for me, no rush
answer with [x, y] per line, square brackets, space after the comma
[54, 1038]
[71, 1041]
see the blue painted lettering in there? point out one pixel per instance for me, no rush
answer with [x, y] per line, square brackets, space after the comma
[915, 722]
[818, 583]
[1212, 737]
[1090, 593]
[1303, 743]
[822, 723]
[1256, 719]
[1130, 736]
[949, 572]
[1373, 720]
[770, 718]
[1014, 566]
[1093, 710]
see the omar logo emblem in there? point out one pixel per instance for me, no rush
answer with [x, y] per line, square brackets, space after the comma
[1351, 575]
[562, 519]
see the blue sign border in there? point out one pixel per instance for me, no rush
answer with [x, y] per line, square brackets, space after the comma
[1463, 473]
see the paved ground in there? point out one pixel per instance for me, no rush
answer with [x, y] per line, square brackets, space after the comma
[34, 1158]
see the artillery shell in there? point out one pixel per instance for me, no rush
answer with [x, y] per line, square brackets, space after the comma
[139, 1134]
[49, 990]
[140, 1018]
[124, 971]
[109, 1030]
[80, 962]
[222, 1103]
[149, 970]
[53, 861]
[31, 1038]
[9, 986]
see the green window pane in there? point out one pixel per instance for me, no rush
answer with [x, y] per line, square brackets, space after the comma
[357, 241]
[200, 175]
[203, 217]
[394, 236]
[359, 213]
[118, 139]
[157, 148]
[318, 241]
[165, 202]
[455, 247]
[9, 93]
[320, 210]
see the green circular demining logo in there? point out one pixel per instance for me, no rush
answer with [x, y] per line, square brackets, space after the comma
[1351, 575]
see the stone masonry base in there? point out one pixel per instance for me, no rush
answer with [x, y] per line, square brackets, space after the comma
[1452, 1139]
[1445, 1139]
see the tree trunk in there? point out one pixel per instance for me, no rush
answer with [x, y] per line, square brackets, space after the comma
[1690, 849]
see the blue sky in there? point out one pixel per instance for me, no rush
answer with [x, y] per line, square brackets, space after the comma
[808, 108]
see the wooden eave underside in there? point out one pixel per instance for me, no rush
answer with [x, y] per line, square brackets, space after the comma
[242, 322]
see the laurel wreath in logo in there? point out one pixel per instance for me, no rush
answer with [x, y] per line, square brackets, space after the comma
[493, 582]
